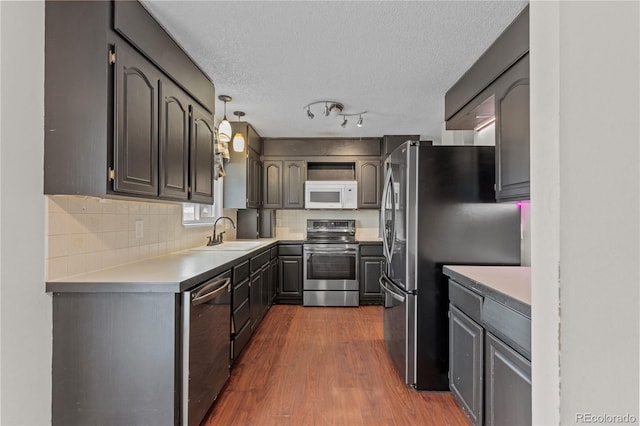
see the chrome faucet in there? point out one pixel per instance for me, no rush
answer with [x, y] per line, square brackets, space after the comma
[217, 239]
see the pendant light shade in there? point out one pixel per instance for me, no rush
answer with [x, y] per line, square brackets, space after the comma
[238, 142]
[238, 138]
[224, 129]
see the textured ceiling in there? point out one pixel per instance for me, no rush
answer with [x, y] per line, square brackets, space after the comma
[395, 59]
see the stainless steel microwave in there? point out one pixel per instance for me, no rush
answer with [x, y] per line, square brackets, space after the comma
[331, 194]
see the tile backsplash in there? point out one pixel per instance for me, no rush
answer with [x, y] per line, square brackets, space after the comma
[85, 234]
[292, 224]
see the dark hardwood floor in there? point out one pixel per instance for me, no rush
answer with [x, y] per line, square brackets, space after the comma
[324, 366]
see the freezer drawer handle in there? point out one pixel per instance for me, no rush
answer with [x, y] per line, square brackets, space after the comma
[392, 293]
[210, 291]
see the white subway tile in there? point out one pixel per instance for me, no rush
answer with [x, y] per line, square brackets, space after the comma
[57, 268]
[76, 223]
[94, 222]
[77, 244]
[58, 246]
[94, 206]
[76, 205]
[77, 264]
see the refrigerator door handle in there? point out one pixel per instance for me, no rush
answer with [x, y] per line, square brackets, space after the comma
[388, 183]
[400, 298]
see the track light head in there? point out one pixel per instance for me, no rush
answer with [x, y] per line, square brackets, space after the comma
[327, 110]
[359, 123]
[344, 123]
[309, 113]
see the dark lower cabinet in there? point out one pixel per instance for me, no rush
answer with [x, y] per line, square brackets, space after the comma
[273, 280]
[290, 284]
[372, 265]
[255, 295]
[466, 363]
[508, 385]
[371, 268]
[490, 379]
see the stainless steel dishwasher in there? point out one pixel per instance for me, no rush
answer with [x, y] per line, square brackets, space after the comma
[206, 328]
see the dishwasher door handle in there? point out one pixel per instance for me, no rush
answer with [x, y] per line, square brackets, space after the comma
[210, 291]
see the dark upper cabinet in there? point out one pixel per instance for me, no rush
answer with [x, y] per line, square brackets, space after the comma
[202, 156]
[283, 184]
[295, 172]
[272, 184]
[254, 180]
[368, 175]
[136, 117]
[174, 142]
[116, 116]
[243, 179]
[512, 133]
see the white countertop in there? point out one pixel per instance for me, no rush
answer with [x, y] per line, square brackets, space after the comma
[170, 273]
[513, 281]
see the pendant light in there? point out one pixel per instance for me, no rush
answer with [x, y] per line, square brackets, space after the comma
[224, 129]
[238, 138]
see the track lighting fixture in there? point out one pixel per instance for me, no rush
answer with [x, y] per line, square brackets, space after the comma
[358, 123]
[238, 138]
[338, 107]
[329, 107]
[224, 129]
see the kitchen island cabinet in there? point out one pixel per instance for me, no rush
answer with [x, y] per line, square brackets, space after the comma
[490, 342]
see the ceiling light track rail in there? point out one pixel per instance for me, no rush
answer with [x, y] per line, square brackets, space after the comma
[331, 106]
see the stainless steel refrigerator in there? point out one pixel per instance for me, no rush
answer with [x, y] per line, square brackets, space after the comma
[438, 207]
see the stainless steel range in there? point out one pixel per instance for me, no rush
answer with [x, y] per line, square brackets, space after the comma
[330, 263]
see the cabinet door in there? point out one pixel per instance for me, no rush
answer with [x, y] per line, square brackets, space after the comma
[255, 298]
[272, 185]
[136, 137]
[254, 179]
[202, 155]
[290, 276]
[508, 385]
[369, 183]
[174, 141]
[266, 294]
[371, 269]
[512, 133]
[466, 353]
[295, 174]
[273, 290]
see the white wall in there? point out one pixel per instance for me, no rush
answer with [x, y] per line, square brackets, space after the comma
[25, 308]
[585, 87]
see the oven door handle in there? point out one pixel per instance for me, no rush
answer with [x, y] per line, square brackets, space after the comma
[210, 291]
[331, 251]
[400, 298]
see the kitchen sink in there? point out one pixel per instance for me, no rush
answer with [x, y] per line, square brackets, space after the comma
[231, 245]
